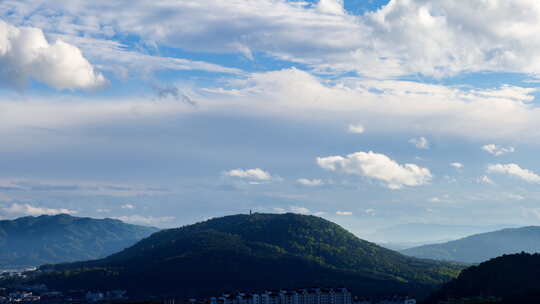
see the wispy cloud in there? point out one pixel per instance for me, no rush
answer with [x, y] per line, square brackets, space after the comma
[420, 142]
[356, 129]
[497, 150]
[145, 220]
[27, 209]
[310, 182]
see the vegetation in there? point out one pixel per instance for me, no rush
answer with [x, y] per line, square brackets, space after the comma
[511, 278]
[253, 252]
[32, 241]
[482, 247]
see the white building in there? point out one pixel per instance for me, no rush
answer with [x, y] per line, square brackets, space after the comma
[299, 296]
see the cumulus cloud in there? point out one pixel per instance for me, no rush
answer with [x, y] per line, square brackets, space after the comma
[457, 165]
[356, 129]
[420, 142]
[26, 54]
[256, 174]
[497, 150]
[145, 220]
[310, 182]
[377, 166]
[515, 171]
[344, 212]
[27, 209]
[127, 206]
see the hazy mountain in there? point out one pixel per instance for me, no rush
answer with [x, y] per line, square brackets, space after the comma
[481, 247]
[32, 241]
[420, 233]
[253, 252]
[511, 278]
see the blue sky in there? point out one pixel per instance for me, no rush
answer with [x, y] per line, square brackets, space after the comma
[372, 114]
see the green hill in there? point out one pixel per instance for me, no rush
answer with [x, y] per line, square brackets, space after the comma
[511, 278]
[482, 247]
[32, 241]
[253, 252]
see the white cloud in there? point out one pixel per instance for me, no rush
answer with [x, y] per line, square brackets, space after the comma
[252, 174]
[27, 209]
[497, 150]
[386, 105]
[370, 212]
[485, 180]
[440, 199]
[114, 56]
[420, 142]
[516, 171]
[515, 197]
[280, 210]
[331, 7]
[310, 182]
[299, 210]
[103, 210]
[127, 206]
[26, 54]
[145, 220]
[76, 113]
[377, 166]
[356, 129]
[85, 188]
[404, 37]
[457, 165]
[344, 212]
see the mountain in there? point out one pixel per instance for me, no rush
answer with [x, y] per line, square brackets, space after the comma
[510, 278]
[32, 241]
[423, 233]
[481, 247]
[252, 252]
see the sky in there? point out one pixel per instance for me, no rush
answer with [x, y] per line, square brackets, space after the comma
[372, 114]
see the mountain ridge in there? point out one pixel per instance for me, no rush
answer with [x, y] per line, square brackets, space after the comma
[511, 279]
[481, 247]
[253, 252]
[36, 240]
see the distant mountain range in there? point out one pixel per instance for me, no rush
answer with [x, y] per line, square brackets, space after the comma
[510, 279]
[33, 241]
[482, 247]
[252, 252]
[415, 234]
